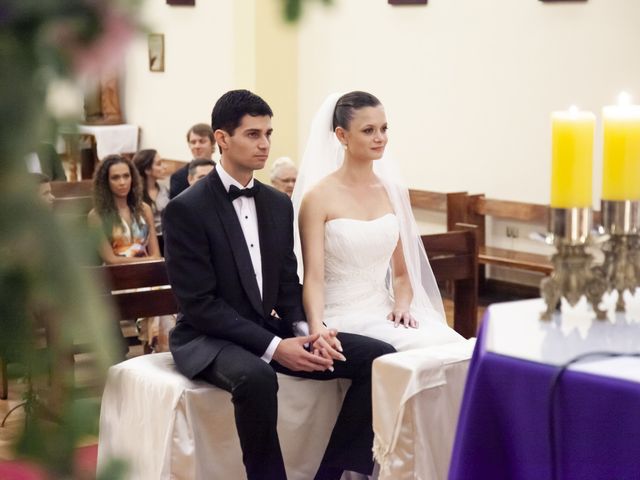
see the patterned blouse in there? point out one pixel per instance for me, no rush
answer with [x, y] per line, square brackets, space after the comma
[130, 240]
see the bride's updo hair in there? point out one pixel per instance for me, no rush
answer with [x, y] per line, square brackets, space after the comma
[348, 104]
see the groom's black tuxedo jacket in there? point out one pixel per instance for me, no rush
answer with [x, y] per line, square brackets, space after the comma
[212, 276]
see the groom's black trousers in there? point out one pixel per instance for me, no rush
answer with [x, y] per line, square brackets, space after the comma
[253, 385]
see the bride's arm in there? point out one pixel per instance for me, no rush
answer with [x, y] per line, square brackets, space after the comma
[402, 291]
[311, 224]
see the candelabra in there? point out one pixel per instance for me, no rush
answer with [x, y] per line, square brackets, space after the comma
[573, 275]
[621, 267]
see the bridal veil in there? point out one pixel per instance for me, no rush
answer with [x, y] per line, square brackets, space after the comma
[323, 155]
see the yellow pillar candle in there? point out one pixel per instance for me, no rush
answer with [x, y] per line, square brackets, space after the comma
[621, 156]
[572, 158]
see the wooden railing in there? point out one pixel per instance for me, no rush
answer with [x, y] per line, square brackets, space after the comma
[454, 257]
[460, 207]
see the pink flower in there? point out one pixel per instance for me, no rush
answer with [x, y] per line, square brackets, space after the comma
[91, 53]
[17, 470]
[105, 53]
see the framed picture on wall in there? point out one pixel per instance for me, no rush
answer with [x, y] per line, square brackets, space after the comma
[156, 52]
[181, 2]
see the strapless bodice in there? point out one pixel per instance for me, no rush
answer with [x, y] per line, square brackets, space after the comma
[357, 297]
[357, 258]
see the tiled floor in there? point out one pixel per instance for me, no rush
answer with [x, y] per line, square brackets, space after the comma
[13, 425]
[15, 420]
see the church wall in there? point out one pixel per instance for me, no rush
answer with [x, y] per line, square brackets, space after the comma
[469, 85]
[277, 77]
[213, 47]
[199, 66]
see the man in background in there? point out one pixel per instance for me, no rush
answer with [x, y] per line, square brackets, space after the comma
[44, 189]
[198, 169]
[201, 143]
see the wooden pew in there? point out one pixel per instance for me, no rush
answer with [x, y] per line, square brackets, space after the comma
[135, 289]
[4, 381]
[461, 207]
[82, 188]
[473, 209]
[73, 198]
[143, 290]
[423, 199]
[138, 290]
[453, 257]
[79, 206]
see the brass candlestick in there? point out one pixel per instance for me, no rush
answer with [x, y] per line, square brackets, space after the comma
[621, 267]
[573, 274]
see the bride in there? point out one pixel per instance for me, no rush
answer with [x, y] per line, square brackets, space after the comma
[365, 269]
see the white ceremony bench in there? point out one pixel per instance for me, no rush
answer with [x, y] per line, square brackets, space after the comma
[169, 427]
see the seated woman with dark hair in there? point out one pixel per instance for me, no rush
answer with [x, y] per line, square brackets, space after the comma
[155, 194]
[126, 221]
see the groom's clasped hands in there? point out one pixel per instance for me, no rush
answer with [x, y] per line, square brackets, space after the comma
[315, 352]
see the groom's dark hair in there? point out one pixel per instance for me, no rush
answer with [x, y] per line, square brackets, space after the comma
[228, 111]
[348, 103]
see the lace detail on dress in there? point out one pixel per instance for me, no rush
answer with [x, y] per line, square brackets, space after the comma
[357, 298]
[357, 259]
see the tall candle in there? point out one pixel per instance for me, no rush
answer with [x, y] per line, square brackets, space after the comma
[572, 158]
[621, 156]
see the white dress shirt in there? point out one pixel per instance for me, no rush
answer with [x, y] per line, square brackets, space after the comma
[245, 208]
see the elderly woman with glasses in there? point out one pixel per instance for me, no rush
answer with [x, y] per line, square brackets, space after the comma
[283, 175]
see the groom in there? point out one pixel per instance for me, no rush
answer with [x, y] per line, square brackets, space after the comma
[229, 253]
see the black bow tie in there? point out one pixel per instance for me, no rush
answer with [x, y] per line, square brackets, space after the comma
[235, 192]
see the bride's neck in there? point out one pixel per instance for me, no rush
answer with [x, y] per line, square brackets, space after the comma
[357, 171]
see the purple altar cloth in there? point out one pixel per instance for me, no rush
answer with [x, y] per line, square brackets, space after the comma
[503, 431]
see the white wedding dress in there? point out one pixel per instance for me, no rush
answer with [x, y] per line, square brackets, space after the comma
[357, 298]
[416, 393]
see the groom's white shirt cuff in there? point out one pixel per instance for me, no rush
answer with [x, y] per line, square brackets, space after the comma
[271, 349]
[300, 329]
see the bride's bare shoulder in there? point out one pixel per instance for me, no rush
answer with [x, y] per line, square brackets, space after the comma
[320, 190]
[317, 197]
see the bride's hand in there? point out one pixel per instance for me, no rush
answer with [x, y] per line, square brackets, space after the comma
[404, 317]
[328, 345]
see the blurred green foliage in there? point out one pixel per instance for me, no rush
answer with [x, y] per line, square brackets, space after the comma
[43, 283]
[292, 9]
[44, 286]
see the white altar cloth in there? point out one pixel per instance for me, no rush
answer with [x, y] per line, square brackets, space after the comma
[112, 139]
[416, 403]
[574, 332]
[169, 427]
